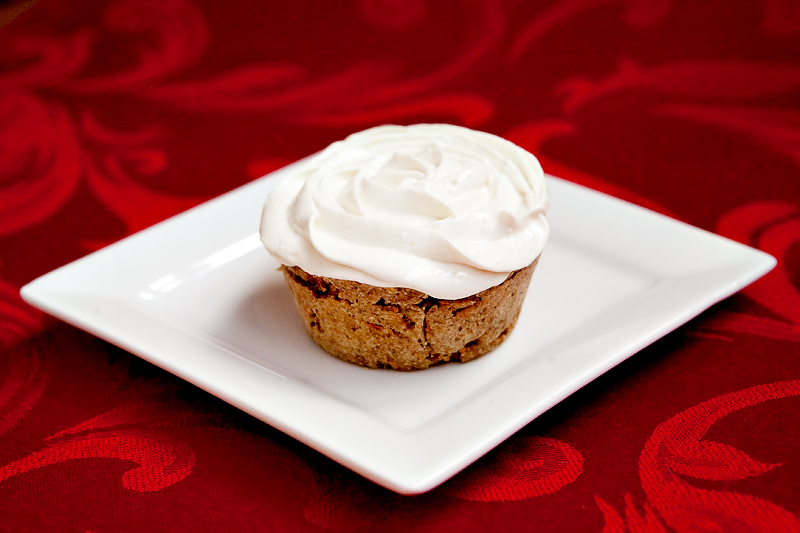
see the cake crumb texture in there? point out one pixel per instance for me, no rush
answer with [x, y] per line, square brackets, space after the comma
[404, 329]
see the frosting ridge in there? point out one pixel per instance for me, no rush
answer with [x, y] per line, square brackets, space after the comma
[442, 209]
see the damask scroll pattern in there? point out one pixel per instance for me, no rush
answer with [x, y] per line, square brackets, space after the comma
[519, 469]
[522, 468]
[21, 387]
[129, 433]
[677, 449]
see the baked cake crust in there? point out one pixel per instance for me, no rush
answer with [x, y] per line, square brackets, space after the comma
[404, 329]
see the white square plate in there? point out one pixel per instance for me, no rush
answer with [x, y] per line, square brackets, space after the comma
[198, 296]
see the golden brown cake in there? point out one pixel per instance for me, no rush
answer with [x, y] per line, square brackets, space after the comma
[405, 247]
[404, 329]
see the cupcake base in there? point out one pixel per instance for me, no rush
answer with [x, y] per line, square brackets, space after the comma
[404, 329]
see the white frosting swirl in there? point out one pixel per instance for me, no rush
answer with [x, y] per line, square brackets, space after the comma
[442, 209]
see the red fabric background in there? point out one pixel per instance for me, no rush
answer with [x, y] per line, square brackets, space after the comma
[117, 114]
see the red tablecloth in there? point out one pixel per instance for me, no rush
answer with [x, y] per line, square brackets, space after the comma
[117, 114]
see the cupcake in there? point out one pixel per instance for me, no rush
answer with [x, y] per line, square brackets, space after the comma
[406, 247]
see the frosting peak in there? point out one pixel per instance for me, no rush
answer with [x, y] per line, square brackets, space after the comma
[442, 209]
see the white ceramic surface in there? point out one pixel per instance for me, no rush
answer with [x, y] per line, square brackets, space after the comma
[198, 296]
